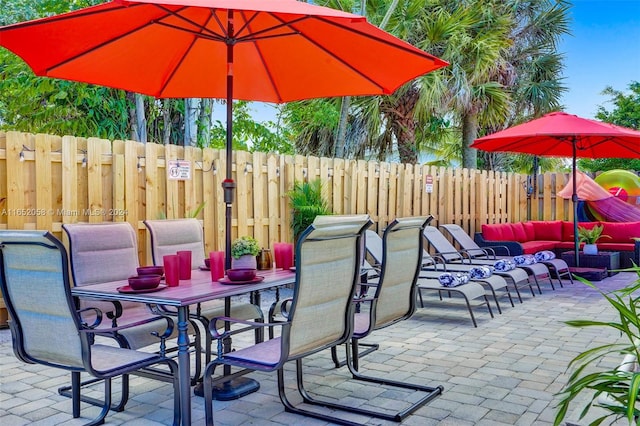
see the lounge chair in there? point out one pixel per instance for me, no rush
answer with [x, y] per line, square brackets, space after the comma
[472, 293]
[558, 266]
[518, 277]
[320, 314]
[34, 279]
[171, 235]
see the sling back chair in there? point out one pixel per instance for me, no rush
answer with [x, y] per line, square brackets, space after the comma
[171, 235]
[393, 300]
[320, 315]
[519, 277]
[474, 251]
[34, 278]
[472, 292]
[105, 252]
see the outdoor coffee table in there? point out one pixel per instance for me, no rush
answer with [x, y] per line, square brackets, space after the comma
[609, 260]
[198, 289]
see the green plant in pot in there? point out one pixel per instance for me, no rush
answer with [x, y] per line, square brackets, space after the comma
[306, 201]
[243, 252]
[590, 236]
[615, 390]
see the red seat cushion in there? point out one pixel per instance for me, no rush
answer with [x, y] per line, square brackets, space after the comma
[519, 233]
[549, 230]
[491, 232]
[531, 247]
[529, 230]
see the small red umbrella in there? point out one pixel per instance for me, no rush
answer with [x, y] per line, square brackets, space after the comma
[559, 134]
[260, 50]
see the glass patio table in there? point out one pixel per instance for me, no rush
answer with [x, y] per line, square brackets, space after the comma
[198, 289]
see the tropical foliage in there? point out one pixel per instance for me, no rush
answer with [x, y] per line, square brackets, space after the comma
[307, 202]
[621, 385]
[626, 113]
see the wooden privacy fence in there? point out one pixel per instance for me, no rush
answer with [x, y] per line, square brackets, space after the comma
[47, 180]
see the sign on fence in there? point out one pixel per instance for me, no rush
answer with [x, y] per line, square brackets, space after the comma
[179, 170]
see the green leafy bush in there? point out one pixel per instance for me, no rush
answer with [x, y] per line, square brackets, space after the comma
[307, 202]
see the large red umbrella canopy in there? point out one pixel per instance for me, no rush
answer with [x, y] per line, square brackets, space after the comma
[259, 50]
[283, 50]
[559, 134]
[556, 134]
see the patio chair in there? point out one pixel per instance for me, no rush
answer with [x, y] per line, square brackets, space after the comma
[558, 266]
[171, 235]
[473, 293]
[536, 271]
[518, 277]
[105, 252]
[34, 279]
[320, 315]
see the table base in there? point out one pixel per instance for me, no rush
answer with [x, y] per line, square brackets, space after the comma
[231, 389]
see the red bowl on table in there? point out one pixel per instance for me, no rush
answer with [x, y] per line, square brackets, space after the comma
[241, 274]
[150, 270]
[144, 282]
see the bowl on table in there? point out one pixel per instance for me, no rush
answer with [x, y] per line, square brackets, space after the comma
[241, 274]
[150, 270]
[207, 262]
[144, 282]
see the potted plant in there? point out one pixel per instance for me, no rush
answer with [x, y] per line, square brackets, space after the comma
[243, 252]
[589, 237]
[616, 390]
[307, 202]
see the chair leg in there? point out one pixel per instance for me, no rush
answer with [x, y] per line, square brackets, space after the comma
[74, 392]
[371, 347]
[430, 393]
[290, 408]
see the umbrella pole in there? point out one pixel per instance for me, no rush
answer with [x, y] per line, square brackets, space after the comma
[574, 199]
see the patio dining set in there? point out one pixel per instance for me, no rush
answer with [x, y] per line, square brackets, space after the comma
[108, 333]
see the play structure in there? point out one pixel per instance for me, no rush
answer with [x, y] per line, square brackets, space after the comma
[614, 196]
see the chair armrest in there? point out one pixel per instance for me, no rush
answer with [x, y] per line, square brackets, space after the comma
[458, 254]
[96, 322]
[501, 248]
[250, 325]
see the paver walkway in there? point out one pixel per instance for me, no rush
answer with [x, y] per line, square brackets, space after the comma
[505, 372]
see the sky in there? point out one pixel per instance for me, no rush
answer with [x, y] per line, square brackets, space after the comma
[602, 50]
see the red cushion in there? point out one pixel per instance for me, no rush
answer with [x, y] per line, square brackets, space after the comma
[614, 246]
[549, 230]
[519, 233]
[531, 247]
[507, 232]
[567, 229]
[491, 232]
[529, 230]
[619, 232]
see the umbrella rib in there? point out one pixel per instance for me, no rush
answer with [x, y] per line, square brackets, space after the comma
[213, 35]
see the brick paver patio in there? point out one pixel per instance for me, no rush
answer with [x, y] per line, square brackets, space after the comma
[505, 372]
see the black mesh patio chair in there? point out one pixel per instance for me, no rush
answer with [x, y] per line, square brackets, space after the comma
[34, 278]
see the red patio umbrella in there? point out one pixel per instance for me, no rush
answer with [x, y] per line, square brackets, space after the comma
[559, 134]
[260, 50]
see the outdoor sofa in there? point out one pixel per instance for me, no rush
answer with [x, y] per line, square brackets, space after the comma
[557, 235]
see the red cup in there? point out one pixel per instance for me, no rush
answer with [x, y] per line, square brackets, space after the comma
[216, 265]
[287, 255]
[185, 264]
[171, 265]
[277, 254]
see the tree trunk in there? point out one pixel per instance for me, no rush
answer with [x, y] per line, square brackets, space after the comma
[342, 127]
[405, 133]
[191, 110]
[469, 134]
[166, 120]
[133, 122]
[204, 121]
[141, 119]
